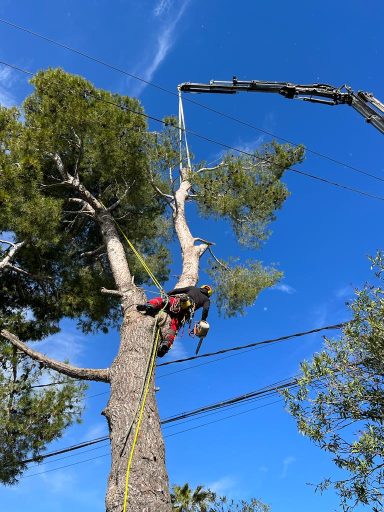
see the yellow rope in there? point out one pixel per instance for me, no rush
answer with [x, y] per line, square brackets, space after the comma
[153, 359]
[141, 259]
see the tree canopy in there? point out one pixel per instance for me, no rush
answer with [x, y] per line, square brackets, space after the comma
[340, 401]
[77, 165]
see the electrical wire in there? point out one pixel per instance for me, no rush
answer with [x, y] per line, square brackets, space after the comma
[258, 343]
[246, 348]
[168, 91]
[247, 397]
[165, 436]
[221, 144]
[67, 466]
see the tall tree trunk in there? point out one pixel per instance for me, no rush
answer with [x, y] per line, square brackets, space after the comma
[148, 483]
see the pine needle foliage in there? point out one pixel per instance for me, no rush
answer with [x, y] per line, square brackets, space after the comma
[247, 191]
[31, 417]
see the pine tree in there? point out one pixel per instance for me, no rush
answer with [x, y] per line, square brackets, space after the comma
[74, 161]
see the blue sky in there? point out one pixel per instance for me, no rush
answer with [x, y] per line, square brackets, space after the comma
[321, 238]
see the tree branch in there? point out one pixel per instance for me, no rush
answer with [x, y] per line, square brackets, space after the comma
[100, 375]
[217, 260]
[112, 292]
[203, 169]
[6, 262]
[116, 203]
[60, 166]
[96, 252]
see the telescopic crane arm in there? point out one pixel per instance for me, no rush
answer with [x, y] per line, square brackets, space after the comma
[364, 102]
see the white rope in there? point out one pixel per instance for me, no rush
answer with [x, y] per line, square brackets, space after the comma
[181, 132]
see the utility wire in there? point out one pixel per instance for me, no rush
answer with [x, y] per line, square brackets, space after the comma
[168, 91]
[258, 343]
[67, 466]
[266, 391]
[166, 436]
[213, 141]
[223, 351]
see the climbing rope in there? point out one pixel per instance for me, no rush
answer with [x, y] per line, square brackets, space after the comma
[141, 260]
[149, 371]
[140, 418]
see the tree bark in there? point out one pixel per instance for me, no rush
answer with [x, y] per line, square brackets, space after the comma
[190, 252]
[148, 482]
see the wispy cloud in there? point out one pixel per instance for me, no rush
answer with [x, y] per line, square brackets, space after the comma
[7, 79]
[97, 430]
[223, 486]
[252, 145]
[178, 350]
[285, 288]
[161, 7]
[286, 463]
[170, 12]
[57, 482]
[62, 346]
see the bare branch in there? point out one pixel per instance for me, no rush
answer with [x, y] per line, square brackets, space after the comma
[203, 169]
[217, 260]
[112, 292]
[100, 375]
[206, 242]
[60, 166]
[18, 269]
[116, 203]
[95, 252]
[11, 253]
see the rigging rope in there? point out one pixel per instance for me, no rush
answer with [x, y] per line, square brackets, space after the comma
[182, 131]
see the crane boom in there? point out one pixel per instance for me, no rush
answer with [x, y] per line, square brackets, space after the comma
[364, 102]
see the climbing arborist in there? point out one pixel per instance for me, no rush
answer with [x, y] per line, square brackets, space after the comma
[179, 307]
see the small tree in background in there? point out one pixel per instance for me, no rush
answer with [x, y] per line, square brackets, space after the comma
[185, 499]
[340, 401]
[74, 161]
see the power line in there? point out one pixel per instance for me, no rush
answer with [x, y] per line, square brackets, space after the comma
[247, 397]
[256, 344]
[168, 91]
[166, 436]
[250, 346]
[231, 401]
[70, 456]
[67, 466]
[221, 144]
[222, 419]
[65, 450]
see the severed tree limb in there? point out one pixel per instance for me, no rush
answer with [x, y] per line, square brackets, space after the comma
[100, 375]
[112, 292]
[206, 242]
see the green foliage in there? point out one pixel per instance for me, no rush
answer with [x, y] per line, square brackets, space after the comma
[106, 147]
[247, 190]
[31, 417]
[340, 401]
[238, 286]
[185, 499]
[223, 504]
